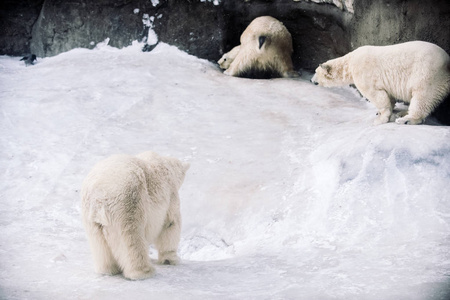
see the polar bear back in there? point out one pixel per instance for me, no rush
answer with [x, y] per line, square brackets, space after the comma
[270, 27]
[163, 169]
[107, 190]
[401, 69]
[265, 51]
[124, 185]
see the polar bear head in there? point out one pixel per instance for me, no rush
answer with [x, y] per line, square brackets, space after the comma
[169, 168]
[178, 169]
[332, 73]
[228, 58]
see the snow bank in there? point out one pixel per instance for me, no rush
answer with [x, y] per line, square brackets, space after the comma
[292, 193]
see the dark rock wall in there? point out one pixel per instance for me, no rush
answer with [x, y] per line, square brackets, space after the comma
[385, 22]
[66, 24]
[193, 26]
[16, 22]
[319, 31]
[208, 31]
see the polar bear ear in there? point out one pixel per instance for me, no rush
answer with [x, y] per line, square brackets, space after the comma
[325, 67]
[186, 166]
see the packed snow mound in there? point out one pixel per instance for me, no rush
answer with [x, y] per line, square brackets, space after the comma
[292, 192]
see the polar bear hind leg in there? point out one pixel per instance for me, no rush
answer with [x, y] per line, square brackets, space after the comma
[419, 109]
[131, 251]
[127, 240]
[169, 237]
[104, 261]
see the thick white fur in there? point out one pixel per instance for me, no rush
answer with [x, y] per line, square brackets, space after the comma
[275, 53]
[128, 203]
[228, 58]
[414, 72]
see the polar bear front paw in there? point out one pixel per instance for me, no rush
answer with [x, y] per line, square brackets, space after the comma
[381, 120]
[408, 121]
[168, 258]
[110, 269]
[144, 273]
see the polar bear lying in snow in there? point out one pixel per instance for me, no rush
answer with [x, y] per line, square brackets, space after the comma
[129, 202]
[414, 72]
[228, 58]
[265, 51]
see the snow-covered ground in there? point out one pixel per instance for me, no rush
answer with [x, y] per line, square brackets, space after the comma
[292, 192]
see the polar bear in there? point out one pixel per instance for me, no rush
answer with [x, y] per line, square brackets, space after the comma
[128, 203]
[226, 60]
[415, 72]
[265, 51]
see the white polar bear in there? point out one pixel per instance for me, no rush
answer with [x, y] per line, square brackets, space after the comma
[129, 202]
[265, 51]
[226, 60]
[414, 72]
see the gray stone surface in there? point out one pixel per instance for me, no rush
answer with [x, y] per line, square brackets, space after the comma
[16, 21]
[193, 26]
[320, 31]
[64, 25]
[385, 22]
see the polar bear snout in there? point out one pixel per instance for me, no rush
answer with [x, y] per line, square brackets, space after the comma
[314, 80]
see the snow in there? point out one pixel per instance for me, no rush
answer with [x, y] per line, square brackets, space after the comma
[346, 5]
[292, 192]
[152, 37]
[215, 2]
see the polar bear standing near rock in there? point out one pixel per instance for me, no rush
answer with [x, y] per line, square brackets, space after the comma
[128, 203]
[415, 72]
[265, 51]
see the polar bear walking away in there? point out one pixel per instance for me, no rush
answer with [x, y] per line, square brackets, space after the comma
[415, 72]
[128, 203]
[265, 51]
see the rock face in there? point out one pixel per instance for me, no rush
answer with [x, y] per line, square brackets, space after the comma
[318, 30]
[193, 26]
[385, 22]
[16, 22]
[64, 25]
[321, 29]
